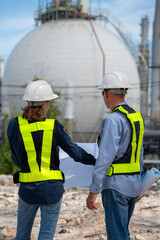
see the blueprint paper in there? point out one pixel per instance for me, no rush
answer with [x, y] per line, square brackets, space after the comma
[147, 179]
[77, 174]
[80, 175]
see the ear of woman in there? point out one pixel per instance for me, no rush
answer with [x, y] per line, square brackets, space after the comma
[45, 106]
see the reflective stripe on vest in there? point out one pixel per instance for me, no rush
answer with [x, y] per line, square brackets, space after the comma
[43, 172]
[134, 165]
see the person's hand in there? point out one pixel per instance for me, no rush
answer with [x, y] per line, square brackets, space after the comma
[90, 202]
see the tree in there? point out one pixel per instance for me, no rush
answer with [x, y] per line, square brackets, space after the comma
[6, 163]
[53, 111]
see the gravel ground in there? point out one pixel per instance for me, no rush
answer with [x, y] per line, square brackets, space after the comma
[76, 222]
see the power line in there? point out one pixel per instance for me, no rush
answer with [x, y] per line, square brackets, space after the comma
[156, 83]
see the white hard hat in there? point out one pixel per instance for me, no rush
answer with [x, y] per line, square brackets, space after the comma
[39, 91]
[114, 80]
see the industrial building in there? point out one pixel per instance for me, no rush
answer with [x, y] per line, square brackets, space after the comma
[72, 51]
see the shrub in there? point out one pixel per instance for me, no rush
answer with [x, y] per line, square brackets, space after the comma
[6, 163]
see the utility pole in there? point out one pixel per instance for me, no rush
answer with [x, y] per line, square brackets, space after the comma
[68, 108]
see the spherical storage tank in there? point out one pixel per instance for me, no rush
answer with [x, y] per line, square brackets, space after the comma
[63, 52]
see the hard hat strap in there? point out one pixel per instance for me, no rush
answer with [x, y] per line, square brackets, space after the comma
[35, 104]
[119, 91]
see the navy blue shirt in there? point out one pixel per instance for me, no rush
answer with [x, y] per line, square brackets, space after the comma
[45, 191]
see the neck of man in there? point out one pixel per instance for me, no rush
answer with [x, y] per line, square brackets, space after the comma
[116, 102]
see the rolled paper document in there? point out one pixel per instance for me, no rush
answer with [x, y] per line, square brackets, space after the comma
[148, 178]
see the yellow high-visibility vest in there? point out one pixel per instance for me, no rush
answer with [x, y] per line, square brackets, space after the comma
[130, 162]
[42, 172]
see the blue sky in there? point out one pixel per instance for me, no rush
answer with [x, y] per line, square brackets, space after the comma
[17, 19]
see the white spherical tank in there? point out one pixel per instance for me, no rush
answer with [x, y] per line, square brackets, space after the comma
[67, 51]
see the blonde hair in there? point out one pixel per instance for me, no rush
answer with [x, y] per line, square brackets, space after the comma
[33, 113]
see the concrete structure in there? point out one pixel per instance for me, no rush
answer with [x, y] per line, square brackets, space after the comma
[68, 107]
[83, 4]
[144, 67]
